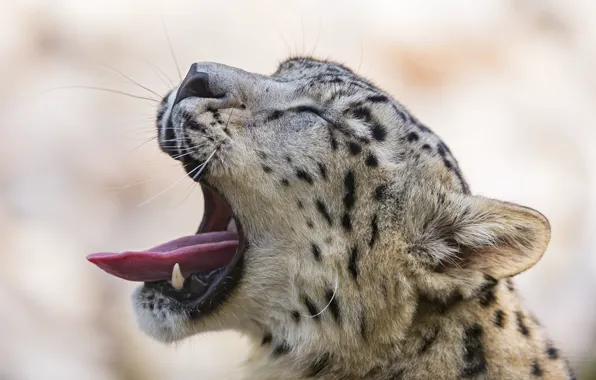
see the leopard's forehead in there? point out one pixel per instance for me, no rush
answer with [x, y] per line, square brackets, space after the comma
[304, 67]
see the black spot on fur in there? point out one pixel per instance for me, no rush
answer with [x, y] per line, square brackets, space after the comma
[428, 339]
[281, 349]
[274, 116]
[303, 175]
[310, 306]
[380, 192]
[354, 148]
[346, 222]
[487, 292]
[318, 366]
[310, 224]
[349, 190]
[378, 99]
[243, 106]
[322, 170]
[262, 155]
[333, 305]
[285, 182]
[536, 370]
[360, 112]
[288, 159]
[300, 205]
[499, 318]
[521, 324]
[371, 160]
[332, 139]
[266, 339]
[316, 251]
[322, 208]
[374, 231]
[552, 351]
[363, 326]
[296, 316]
[379, 132]
[353, 264]
[267, 169]
[413, 136]
[426, 147]
[474, 356]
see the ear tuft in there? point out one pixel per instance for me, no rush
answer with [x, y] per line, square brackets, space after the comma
[496, 238]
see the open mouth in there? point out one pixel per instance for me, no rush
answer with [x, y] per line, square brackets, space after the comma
[199, 270]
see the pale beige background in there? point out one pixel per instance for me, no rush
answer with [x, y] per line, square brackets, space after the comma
[510, 85]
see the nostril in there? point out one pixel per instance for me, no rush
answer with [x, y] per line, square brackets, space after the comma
[195, 84]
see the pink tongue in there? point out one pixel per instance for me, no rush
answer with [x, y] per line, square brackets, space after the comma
[197, 253]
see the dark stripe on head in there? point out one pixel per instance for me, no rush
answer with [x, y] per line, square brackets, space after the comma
[474, 356]
[267, 338]
[303, 175]
[316, 251]
[310, 306]
[378, 99]
[281, 349]
[353, 264]
[413, 136]
[346, 222]
[536, 369]
[322, 170]
[552, 351]
[349, 190]
[374, 231]
[322, 208]
[333, 305]
[499, 318]
[486, 293]
[521, 324]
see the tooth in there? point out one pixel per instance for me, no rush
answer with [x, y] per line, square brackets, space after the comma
[232, 226]
[177, 278]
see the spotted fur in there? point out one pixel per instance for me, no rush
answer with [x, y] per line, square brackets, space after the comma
[335, 182]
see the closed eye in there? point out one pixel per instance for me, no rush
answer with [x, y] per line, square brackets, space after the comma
[309, 109]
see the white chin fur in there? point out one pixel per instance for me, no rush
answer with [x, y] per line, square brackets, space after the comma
[163, 326]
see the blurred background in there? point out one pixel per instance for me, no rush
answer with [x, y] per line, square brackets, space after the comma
[509, 84]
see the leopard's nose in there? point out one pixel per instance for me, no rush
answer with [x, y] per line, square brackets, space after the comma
[194, 85]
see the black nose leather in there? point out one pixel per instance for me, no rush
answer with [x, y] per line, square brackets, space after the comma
[195, 84]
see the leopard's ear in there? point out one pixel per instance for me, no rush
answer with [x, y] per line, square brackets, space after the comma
[496, 238]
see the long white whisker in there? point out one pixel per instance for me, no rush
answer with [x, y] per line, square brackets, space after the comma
[330, 301]
[163, 24]
[131, 80]
[204, 165]
[169, 187]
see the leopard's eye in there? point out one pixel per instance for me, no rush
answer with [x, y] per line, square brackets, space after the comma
[309, 109]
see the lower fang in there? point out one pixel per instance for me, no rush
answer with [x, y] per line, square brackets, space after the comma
[177, 278]
[232, 226]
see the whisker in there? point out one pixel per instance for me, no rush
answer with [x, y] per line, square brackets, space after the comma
[159, 73]
[330, 300]
[131, 80]
[163, 24]
[169, 187]
[204, 165]
[102, 89]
